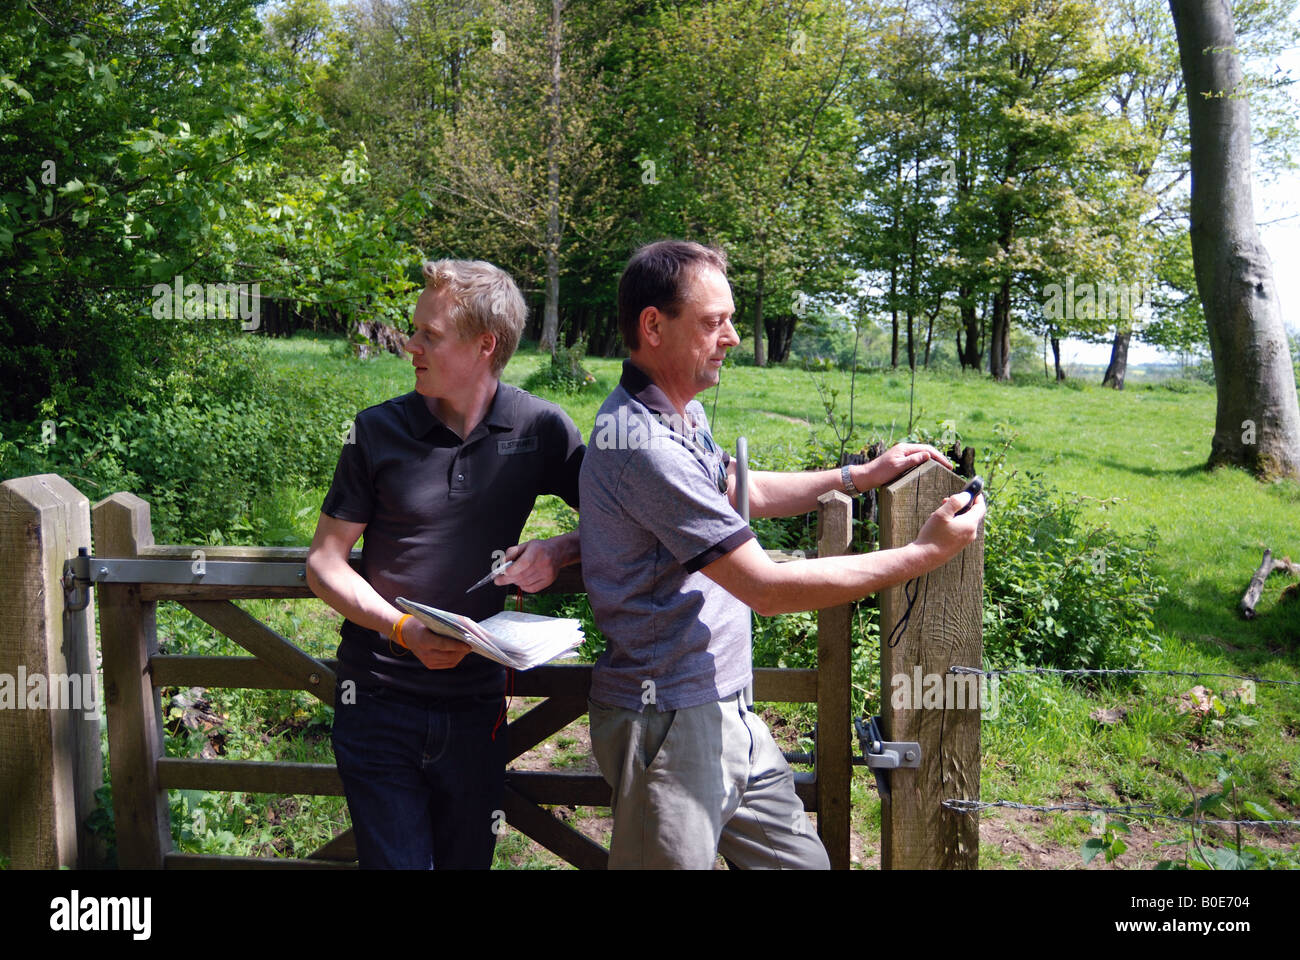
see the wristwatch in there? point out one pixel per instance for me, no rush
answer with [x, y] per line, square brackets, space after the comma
[847, 479]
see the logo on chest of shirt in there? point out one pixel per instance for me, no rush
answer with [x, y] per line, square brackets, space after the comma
[508, 448]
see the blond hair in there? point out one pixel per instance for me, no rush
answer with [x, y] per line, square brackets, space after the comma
[484, 300]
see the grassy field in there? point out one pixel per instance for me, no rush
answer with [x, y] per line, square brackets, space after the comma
[1136, 455]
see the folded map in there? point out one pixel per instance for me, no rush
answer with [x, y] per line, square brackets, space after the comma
[518, 640]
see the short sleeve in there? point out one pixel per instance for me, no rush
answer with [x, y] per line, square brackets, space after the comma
[668, 491]
[351, 495]
[564, 453]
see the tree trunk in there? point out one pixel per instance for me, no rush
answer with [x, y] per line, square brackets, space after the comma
[971, 353]
[551, 323]
[760, 355]
[1056, 357]
[984, 326]
[1000, 335]
[1257, 423]
[893, 314]
[911, 301]
[780, 334]
[1118, 365]
[929, 338]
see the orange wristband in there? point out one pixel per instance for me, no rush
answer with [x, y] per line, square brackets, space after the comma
[396, 632]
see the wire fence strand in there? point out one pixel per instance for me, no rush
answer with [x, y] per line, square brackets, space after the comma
[1132, 810]
[1120, 670]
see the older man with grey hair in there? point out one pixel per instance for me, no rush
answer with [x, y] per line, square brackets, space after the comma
[441, 481]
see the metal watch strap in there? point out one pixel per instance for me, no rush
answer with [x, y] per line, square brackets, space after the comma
[849, 487]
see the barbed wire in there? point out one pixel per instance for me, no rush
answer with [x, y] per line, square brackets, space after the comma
[1132, 810]
[1121, 670]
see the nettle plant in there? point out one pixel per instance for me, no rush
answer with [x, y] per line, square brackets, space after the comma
[1202, 845]
[1208, 846]
[1060, 591]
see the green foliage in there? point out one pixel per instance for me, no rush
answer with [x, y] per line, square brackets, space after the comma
[565, 373]
[205, 441]
[1207, 847]
[1108, 842]
[122, 135]
[101, 822]
[1061, 592]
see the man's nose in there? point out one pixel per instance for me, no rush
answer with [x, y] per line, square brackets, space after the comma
[729, 335]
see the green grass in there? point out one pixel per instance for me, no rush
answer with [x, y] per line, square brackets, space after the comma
[1137, 453]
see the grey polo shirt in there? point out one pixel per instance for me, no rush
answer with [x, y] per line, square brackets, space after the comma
[436, 508]
[652, 517]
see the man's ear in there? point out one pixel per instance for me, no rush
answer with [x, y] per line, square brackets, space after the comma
[651, 321]
[487, 345]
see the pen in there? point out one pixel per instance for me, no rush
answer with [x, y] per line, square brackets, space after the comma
[491, 576]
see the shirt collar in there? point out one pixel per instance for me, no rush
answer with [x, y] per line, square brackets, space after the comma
[646, 392]
[638, 383]
[500, 414]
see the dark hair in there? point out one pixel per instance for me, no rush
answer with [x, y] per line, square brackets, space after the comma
[656, 276]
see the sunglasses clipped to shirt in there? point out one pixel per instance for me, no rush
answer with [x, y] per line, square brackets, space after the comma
[708, 453]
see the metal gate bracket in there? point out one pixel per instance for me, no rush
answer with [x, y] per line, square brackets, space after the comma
[880, 754]
[83, 570]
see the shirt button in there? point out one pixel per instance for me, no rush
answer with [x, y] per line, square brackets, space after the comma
[460, 478]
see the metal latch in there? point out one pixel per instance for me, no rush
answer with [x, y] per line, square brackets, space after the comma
[881, 754]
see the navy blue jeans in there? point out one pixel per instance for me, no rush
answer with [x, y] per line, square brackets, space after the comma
[424, 784]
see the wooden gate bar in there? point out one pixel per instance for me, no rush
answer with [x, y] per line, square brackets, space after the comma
[208, 861]
[342, 847]
[541, 721]
[552, 680]
[540, 786]
[237, 673]
[250, 776]
[121, 527]
[834, 638]
[552, 833]
[263, 642]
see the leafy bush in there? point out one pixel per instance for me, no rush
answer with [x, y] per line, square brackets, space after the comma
[1062, 593]
[1181, 385]
[565, 372]
[1058, 591]
[201, 443]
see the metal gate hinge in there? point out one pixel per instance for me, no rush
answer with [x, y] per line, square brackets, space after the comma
[76, 581]
[880, 754]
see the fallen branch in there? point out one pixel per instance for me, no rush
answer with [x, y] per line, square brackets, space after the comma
[1266, 567]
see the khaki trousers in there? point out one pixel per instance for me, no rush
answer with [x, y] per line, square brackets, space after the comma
[690, 784]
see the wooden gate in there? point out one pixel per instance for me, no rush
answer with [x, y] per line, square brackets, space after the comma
[134, 670]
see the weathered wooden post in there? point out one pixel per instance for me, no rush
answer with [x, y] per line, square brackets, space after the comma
[50, 765]
[834, 753]
[128, 634]
[921, 700]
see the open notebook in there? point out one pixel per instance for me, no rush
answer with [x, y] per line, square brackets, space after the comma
[519, 640]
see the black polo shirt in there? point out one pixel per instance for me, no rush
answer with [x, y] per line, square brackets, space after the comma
[436, 508]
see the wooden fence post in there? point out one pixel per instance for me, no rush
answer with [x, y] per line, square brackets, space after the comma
[920, 700]
[50, 764]
[128, 633]
[834, 763]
